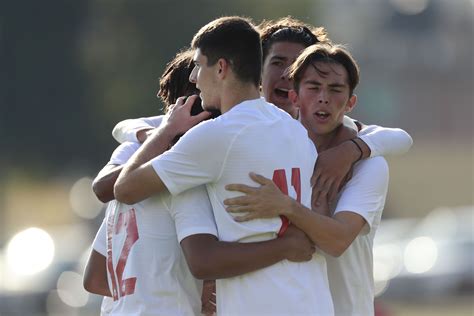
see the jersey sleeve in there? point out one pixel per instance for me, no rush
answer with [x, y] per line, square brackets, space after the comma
[123, 153]
[100, 240]
[197, 158]
[192, 213]
[384, 141]
[127, 130]
[366, 191]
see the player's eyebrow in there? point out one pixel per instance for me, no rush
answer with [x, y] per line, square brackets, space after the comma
[337, 85]
[277, 57]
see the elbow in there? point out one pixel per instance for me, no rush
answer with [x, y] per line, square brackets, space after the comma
[99, 192]
[199, 269]
[122, 194]
[337, 249]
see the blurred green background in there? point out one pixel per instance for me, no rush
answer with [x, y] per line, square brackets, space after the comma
[70, 70]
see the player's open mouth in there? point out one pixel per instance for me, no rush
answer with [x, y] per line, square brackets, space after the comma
[282, 93]
[322, 115]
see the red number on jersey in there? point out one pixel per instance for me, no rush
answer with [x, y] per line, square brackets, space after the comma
[279, 178]
[126, 221]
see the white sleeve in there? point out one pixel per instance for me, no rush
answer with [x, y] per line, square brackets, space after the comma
[100, 240]
[384, 141]
[197, 158]
[192, 213]
[123, 152]
[366, 191]
[127, 130]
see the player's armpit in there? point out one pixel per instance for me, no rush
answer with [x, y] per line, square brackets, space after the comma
[95, 275]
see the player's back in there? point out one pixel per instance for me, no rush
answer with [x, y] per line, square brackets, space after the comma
[266, 140]
[254, 136]
[147, 272]
[262, 139]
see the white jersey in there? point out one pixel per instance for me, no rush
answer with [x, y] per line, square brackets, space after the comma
[351, 274]
[147, 271]
[253, 136]
[127, 130]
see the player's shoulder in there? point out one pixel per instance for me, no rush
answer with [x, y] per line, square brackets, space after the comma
[375, 165]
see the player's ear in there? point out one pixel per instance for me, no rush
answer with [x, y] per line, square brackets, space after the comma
[351, 103]
[223, 67]
[293, 96]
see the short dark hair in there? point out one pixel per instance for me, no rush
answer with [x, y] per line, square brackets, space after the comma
[236, 40]
[326, 53]
[289, 29]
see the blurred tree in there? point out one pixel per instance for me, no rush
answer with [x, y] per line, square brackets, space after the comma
[72, 69]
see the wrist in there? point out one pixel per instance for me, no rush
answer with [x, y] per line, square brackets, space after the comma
[288, 207]
[169, 132]
[352, 151]
[363, 147]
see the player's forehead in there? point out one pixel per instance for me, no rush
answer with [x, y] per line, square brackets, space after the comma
[333, 73]
[285, 49]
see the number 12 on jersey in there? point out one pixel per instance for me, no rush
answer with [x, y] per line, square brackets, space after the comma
[126, 225]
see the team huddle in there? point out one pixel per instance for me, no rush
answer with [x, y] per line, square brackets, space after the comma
[254, 177]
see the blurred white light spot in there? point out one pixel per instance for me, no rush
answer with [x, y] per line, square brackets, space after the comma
[410, 7]
[420, 255]
[30, 251]
[83, 201]
[70, 289]
[388, 262]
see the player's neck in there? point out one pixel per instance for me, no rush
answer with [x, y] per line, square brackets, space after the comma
[237, 93]
[324, 142]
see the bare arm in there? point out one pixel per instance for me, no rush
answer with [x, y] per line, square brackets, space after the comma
[95, 275]
[103, 185]
[138, 180]
[331, 234]
[209, 258]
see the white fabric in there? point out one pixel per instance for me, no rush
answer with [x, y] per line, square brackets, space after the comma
[120, 156]
[164, 285]
[252, 136]
[351, 274]
[127, 130]
[384, 141]
[99, 243]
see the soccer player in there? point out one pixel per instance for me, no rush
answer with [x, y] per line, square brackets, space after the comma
[136, 257]
[324, 79]
[251, 134]
[282, 41]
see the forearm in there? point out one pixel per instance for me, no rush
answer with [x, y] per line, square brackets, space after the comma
[103, 185]
[217, 260]
[385, 141]
[328, 234]
[95, 275]
[136, 182]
